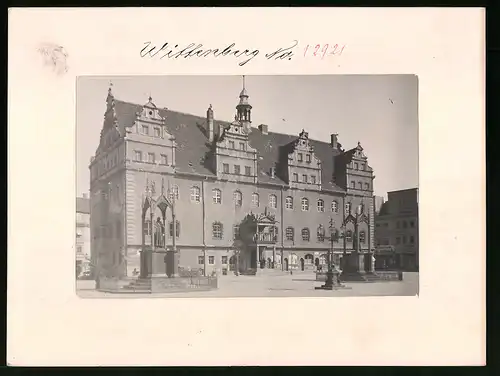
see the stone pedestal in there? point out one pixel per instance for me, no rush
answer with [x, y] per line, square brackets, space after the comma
[172, 263]
[145, 264]
[159, 263]
[332, 281]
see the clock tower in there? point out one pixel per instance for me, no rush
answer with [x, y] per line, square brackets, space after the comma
[243, 109]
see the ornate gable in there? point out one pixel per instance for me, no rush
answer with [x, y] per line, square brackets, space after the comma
[266, 218]
[150, 113]
[302, 143]
[358, 152]
[110, 131]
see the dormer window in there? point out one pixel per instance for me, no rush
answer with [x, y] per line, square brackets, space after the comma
[157, 132]
[296, 177]
[299, 157]
[304, 178]
[242, 146]
[145, 130]
[308, 158]
[231, 144]
[355, 166]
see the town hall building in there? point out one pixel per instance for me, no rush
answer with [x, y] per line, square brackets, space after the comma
[170, 191]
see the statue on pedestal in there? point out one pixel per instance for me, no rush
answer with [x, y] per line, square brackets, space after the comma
[159, 240]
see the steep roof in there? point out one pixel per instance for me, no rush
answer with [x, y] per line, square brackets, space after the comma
[193, 146]
[82, 205]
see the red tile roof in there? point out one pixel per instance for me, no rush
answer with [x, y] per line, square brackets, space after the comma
[193, 146]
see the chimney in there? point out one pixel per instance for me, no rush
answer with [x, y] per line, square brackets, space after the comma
[272, 172]
[210, 124]
[333, 140]
[263, 128]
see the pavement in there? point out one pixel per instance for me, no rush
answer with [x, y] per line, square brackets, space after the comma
[300, 284]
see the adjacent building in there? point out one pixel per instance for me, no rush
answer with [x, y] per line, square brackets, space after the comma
[82, 235]
[169, 190]
[378, 201]
[396, 231]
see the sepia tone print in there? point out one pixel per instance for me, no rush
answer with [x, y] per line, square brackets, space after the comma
[183, 205]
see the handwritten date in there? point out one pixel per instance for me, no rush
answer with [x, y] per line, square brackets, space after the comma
[321, 51]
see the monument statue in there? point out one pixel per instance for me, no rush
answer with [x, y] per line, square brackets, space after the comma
[159, 233]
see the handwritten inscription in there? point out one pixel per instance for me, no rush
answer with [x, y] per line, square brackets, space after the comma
[244, 55]
[196, 50]
[322, 50]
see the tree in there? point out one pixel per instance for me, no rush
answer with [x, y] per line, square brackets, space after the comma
[247, 230]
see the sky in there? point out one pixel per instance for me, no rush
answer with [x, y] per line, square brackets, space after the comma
[379, 111]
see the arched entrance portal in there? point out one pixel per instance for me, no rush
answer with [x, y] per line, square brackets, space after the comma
[302, 266]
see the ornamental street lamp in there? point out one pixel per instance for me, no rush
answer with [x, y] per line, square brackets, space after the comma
[331, 275]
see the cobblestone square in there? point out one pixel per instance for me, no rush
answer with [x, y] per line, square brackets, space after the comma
[296, 285]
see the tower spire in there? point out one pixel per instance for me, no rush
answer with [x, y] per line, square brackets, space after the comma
[243, 109]
[243, 82]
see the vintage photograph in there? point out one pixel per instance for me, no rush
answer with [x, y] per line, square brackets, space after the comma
[247, 186]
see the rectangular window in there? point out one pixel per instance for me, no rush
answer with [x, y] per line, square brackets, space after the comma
[231, 144]
[295, 177]
[195, 194]
[145, 130]
[313, 179]
[398, 240]
[201, 260]
[272, 201]
[225, 168]
[177, 229]
[304, 178]
[216, 196]
[157, 132]
[308, 158]
[353, 184]
[404, 239]
[289, 233]
[224, 260]
[164, 159]
[151, 158]
[242, 146]
[248, 171]
[367, 186]
[299, 157]
[237, 169]
[412, 240]
[236, 232]
[138, 156]
[355, 166]
[211, 260]
[79, 249]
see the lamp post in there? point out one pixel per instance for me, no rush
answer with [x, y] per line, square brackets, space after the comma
[331, 275]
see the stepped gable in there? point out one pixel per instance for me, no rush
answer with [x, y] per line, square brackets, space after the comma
[269, 145]
[193, 144]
